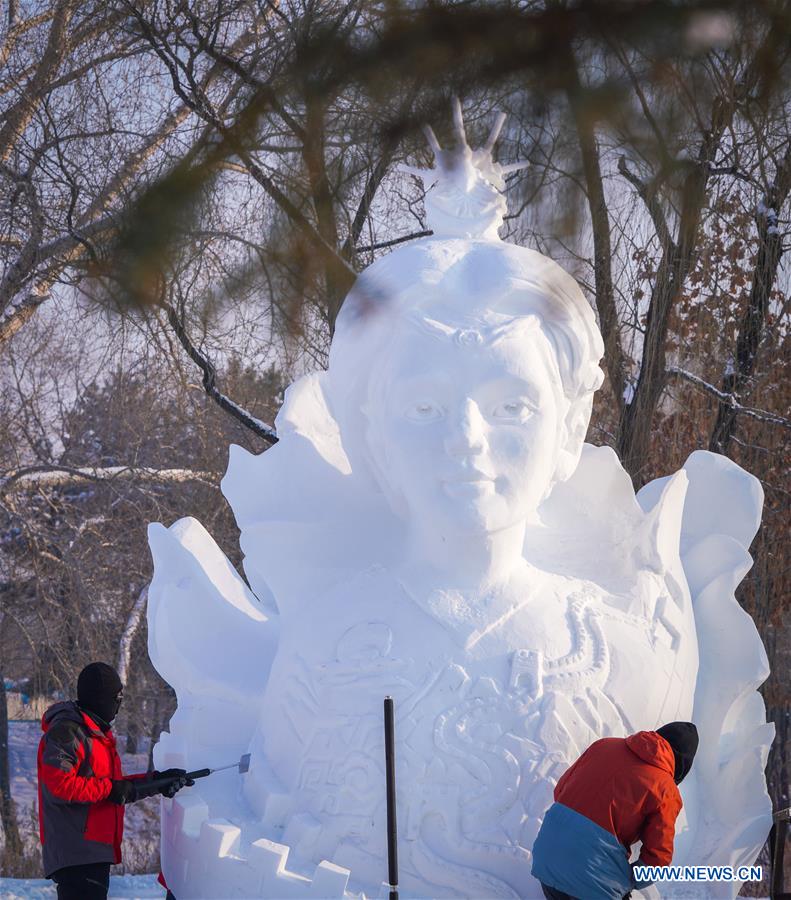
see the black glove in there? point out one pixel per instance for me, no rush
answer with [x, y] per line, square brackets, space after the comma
[178, 780]
[168, 773]
[176, 784]
[168, 787]
[122, 792]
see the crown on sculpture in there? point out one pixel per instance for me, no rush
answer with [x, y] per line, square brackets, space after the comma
[464, 196]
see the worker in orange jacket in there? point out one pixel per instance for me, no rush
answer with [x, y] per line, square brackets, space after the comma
[619, 791]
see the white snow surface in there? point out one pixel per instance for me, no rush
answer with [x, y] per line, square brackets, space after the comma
[432, 526]
[128, 887]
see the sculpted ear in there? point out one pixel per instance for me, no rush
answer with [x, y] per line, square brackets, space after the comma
[575, 427]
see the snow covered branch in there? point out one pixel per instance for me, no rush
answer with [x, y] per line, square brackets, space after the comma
[51, 476]
[648, 194]
[729, 399]
[267, 432]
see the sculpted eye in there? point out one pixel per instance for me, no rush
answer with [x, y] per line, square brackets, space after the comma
[513, 409]
[423, 411]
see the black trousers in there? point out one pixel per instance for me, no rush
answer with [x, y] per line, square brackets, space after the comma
[554, 894]
[88, 882]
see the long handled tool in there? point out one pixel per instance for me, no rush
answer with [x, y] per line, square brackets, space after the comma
[243, 765]
[153, 787]
[392, 834]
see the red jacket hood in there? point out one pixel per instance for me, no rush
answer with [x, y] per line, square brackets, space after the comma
[69, 711]
[654, 749]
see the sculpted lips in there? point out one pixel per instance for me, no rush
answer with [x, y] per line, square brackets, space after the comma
[470, 482]
[470, 477]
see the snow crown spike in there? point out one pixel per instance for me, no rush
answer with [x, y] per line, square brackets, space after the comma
[464, 189]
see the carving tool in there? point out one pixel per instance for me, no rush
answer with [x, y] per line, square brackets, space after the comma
[152, 787]
[243, 765]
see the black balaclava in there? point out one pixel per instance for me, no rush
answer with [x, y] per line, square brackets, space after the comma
[98, 691]
[683, 738]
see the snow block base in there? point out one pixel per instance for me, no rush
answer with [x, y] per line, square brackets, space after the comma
[209, 858]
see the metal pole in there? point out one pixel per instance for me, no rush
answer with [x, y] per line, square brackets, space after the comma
[777, 840]
[392, 834]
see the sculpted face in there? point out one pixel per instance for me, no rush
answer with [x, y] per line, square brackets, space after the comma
[467, 424]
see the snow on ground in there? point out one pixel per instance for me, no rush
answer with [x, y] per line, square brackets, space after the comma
[121, 886]
[141, 824]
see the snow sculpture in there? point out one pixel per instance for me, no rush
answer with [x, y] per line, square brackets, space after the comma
[432, 526]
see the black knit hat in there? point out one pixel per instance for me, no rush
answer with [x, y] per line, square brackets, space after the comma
[683, 739]
[98, 687]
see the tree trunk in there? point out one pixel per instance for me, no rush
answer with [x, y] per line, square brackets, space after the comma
[336, 282]
[16, 119]
[132, 731]
[13, 843]
[614, 362]
[156, 728]
[130, 630]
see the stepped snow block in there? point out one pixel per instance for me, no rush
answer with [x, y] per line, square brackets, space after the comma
[181, 823]
[218, 838]
[329, 880]
[218, 841]
[269, 859]
[208, 859]
[187, 814]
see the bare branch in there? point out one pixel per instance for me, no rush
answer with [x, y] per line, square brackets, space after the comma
[267, 432]
[729, 400]
[232, 143]
[400, 240]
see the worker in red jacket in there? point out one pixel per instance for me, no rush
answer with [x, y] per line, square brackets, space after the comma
[82, 790]
[620, 791]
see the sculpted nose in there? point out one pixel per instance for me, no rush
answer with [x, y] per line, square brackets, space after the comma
[466, 431]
